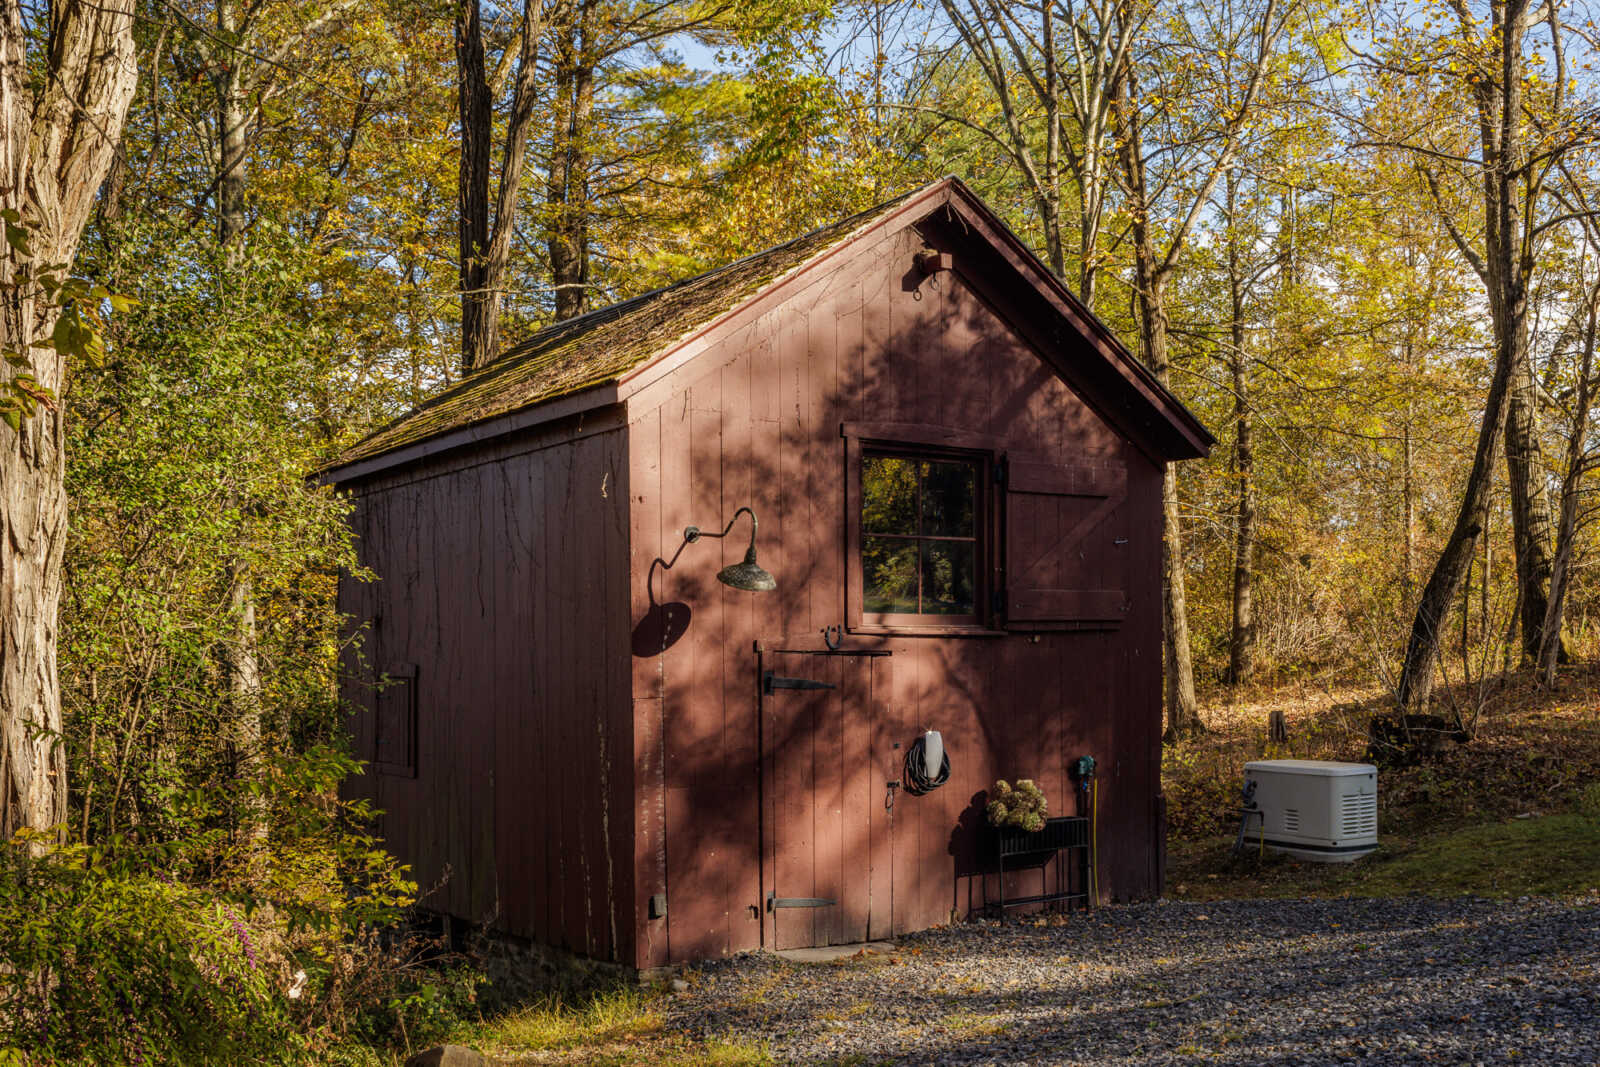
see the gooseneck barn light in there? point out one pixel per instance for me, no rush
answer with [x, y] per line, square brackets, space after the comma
[747, 575]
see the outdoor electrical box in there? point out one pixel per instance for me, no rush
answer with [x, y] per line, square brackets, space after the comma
[1315, 809]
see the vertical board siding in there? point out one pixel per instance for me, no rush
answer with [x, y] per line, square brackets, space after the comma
[756, 420]
[503, 577]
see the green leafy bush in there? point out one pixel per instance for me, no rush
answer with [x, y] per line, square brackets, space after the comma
[1589, 800]
[220, 947]
[111, 963]
[1023, 807]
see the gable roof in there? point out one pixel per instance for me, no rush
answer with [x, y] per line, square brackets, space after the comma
[574, 360]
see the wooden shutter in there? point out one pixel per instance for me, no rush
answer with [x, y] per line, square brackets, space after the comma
[395, 724]
[1064, 556]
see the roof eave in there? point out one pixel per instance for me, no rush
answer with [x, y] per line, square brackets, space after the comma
[537, 414]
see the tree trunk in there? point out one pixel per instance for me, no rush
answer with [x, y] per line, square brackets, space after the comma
[568, 193]
[56, 146]
[1408, 511]
[1183, 711]
[1422, 648]
[479, 329]
[1571, 483]
[1242, 631]
[1530, 505]
[240, 658]
[485, 241]
[1504, 266]
[1242, 639]
[232, 137]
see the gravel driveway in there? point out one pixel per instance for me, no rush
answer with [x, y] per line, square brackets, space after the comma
[1287, 982]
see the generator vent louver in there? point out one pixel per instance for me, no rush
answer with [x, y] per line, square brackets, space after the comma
[1291, 820]
[1358, 814]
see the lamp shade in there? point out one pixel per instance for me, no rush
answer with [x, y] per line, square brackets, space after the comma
[747, 575]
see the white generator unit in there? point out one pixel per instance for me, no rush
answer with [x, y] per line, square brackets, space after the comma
[1313, 809]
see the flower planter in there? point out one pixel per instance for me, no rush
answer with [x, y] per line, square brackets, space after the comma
[1025, 849]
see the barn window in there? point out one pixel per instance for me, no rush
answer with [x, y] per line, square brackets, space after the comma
[921, 530]
[919, 536]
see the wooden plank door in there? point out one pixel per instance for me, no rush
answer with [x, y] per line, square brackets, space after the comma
[826, 864]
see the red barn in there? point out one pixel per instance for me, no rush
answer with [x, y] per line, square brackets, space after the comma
[593, 743]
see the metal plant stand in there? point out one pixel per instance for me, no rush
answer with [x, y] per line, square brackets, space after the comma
[1022, 850]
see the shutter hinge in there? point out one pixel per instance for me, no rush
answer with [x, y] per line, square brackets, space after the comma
[1000, 471]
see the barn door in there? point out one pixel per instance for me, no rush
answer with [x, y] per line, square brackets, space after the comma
[827, 856]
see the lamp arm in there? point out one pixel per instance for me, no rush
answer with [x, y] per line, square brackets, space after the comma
[694, 533]
[690, 536]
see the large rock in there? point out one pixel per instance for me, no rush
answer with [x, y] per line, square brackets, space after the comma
[448, 1056]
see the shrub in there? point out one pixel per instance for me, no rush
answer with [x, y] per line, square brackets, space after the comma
[220, 947]
[1023, 807]
[1589, 800]
[109, 962]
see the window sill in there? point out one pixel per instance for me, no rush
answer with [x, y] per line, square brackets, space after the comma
[925, 631]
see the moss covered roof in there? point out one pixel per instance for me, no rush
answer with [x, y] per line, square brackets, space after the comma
[603, 345]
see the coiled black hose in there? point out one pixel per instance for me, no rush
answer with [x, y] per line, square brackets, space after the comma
[916, 780]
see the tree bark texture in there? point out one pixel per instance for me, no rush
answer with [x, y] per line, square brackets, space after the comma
[567, 196]
[1408, 510]
[478, 327]
[1571, 489]
[1242, 629]
[1422, 647]
[232, 137]
[1242, 635]
[484, 235]
[233, 118]
[56, 147]
[1183, 709]
[1530, 504]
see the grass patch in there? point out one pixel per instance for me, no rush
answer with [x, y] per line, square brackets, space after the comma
[603, 1018]
[1552, 855]
[1556, 855]
[976, 1025]
[609, 1028]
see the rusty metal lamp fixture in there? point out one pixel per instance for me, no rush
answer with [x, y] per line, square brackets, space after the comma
[747, 575]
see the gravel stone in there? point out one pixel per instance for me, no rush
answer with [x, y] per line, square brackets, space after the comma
[1397, 981]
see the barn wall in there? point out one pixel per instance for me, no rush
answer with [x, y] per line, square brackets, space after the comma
[503, 578]
[755, 419]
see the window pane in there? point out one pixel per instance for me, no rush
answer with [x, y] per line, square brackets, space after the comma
[888, 576]
[888, 495]
[948, 578]
[949, 491]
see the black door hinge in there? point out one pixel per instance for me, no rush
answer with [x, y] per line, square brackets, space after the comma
[770, 681]
[774, 901]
